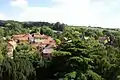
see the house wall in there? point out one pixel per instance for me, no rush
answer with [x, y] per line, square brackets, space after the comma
[10, 50]
[23, 41]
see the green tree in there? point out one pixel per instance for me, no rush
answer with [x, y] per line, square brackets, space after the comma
[47, 31]
[2, 32]
[58, 26]
[77, 62]
[19, 68]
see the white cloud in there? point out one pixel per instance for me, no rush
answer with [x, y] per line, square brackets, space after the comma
[2, 16]
[107, 12]
[19, 3]
[74, 12]
[67, 11]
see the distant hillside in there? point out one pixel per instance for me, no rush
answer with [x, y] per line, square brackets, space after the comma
[27, 24]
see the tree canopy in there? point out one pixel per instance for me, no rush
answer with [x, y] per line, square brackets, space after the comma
[80, 53]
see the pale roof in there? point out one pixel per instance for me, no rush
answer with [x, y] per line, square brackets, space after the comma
[47, 50]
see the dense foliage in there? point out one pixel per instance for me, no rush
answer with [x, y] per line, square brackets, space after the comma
[80, 54]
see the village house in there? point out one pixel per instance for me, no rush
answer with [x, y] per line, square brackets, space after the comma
[46, 53]
[40, 42]
[46, 47]
[104, 39]
[21, 38]
[10, 47]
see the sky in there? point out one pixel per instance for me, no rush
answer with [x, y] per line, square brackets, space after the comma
[99, 13]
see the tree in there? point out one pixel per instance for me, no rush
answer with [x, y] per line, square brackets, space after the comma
[47, 31]
[58, 26]
[58, 41]
[75, 60]
[2, 32]
[1, 58]
[19, 68]
[35, 30]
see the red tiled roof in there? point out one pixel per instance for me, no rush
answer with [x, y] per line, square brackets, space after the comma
[44, 36]
[35, 44]
[47, 40]
[21, 37]
[37, 35]
[12, 43]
